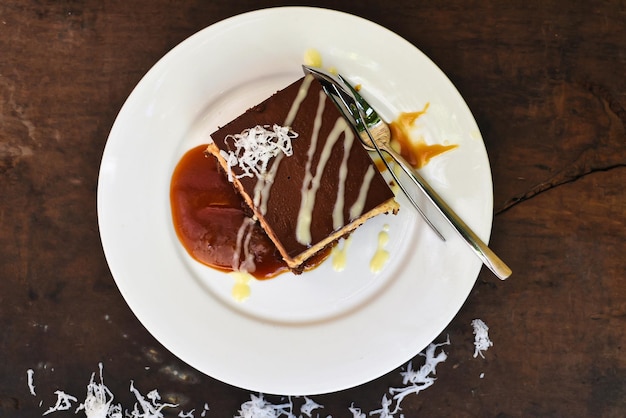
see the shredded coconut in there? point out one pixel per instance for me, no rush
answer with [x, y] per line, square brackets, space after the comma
[356, 412]
[205, 410]
[145, 409]
[255, 147]
[309, 406]
[259, 407]
[384, 411]
[31, 386]
[481, 337]
[418, 380]
[99, 399]
[99, 403]
[63, 403]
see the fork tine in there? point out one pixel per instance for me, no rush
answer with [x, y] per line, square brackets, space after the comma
[350, 103]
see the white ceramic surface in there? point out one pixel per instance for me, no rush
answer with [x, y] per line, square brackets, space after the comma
[322, 331]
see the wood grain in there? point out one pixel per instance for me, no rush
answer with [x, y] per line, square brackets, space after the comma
[545, 81]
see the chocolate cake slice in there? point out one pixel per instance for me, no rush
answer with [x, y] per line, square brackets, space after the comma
[301, 169]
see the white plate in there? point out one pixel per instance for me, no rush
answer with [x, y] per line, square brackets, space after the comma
[322, 331]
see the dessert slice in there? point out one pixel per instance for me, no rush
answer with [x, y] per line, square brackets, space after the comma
[301, 169]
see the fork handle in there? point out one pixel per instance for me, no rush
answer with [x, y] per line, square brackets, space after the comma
[488, 257]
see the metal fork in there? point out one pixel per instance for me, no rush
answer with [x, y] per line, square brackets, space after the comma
[374, 134]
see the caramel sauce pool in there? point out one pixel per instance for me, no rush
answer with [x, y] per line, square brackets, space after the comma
[207, 214]
[417, 152]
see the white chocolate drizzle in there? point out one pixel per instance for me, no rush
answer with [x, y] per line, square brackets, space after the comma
[357, 207]
[264, 184]
[304, 216]
[244, 234]
[241, 289]
[295, 106]
[338, 220]
[339, 254]
[303, 226]
[381, 255]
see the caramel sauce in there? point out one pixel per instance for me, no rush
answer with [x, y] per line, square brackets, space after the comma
[380, 165]
[207, 214]
[417, 152]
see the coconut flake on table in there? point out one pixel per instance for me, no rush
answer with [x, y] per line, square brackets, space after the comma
[99, 399]
[259, 407]
[422, 378]
[99, 403]
[309, 406]
[31, 386]
[63, 403]
[356, 412]
[145, 409]
[384, 411]
[481, 337]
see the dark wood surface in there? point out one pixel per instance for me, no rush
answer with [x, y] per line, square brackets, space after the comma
[546, 83]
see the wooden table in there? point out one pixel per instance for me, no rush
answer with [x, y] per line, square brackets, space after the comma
[546, 83]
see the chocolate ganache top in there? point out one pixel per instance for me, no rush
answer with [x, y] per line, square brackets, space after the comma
[324, 189]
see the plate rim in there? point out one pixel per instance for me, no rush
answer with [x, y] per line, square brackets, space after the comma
[140, 313]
